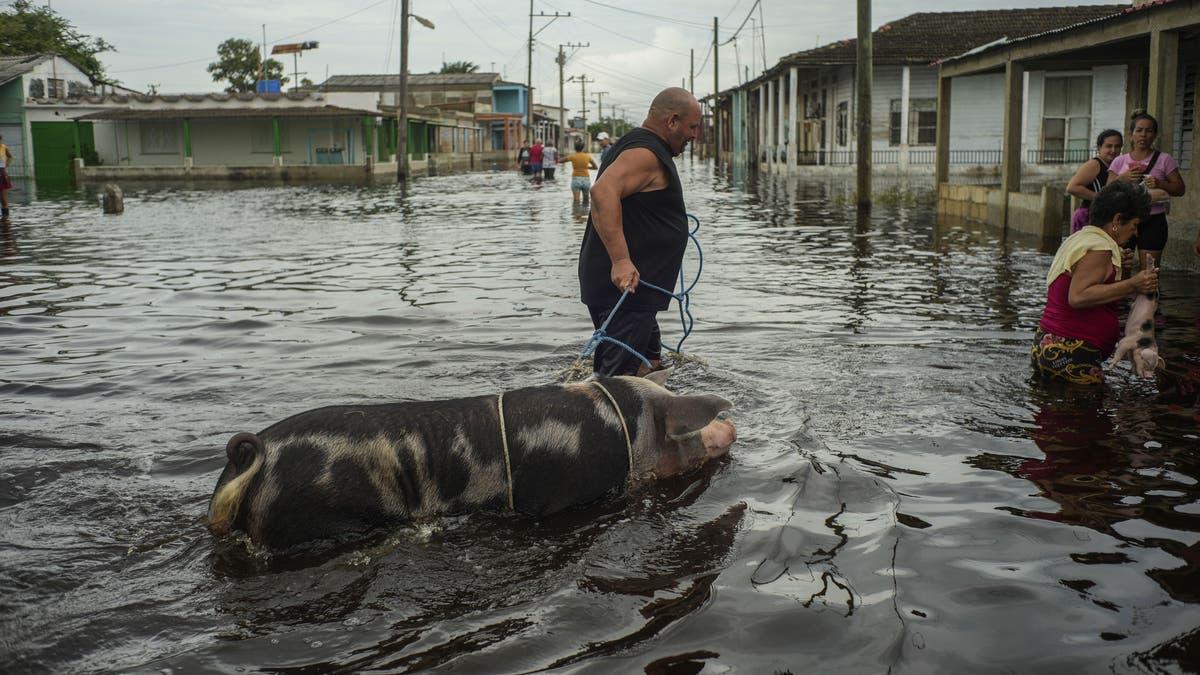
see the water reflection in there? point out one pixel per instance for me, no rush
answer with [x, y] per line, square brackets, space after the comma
[899, 498]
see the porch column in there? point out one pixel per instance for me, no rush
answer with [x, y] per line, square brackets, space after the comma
[941, 151]
[793, 124]
[276, 143]
[1164, 72]
[1010, 148]
[772, 132]
[762, 124]
[187, 143]
[368, 152]
[905, 94]
[781, 124]
[78, 144]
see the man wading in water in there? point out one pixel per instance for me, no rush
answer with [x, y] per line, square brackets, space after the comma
[637, 228]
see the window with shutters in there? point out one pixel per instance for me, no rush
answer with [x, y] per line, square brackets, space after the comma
[1066, 118]
[1186, 114]
[843, 121]
[922, 121]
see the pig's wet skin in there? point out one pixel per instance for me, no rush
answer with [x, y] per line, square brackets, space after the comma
[347, 469]
[1139, 343]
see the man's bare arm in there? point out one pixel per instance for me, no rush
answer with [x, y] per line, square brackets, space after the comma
[635, 170]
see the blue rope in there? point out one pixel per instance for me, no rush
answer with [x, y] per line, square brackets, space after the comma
[683, 298]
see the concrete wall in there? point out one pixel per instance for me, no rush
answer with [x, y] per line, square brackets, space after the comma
[429, 165]
[1040, 215]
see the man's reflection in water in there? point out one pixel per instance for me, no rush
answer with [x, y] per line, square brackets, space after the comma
[1114, 456]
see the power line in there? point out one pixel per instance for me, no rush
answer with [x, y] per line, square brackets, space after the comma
[744, 22]
[468, 27]
[609, 31]
[681, 22]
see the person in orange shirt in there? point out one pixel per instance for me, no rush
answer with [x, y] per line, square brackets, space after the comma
[581, 180]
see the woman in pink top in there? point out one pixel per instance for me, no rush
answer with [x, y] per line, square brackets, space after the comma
[1154, 169]
[1079, 326]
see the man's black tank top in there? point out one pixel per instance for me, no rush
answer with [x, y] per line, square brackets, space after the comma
[656, 231]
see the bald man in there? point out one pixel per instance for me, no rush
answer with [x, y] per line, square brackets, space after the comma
[637, 229]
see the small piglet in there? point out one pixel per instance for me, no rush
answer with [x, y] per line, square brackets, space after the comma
[538, 450]
[1139, 343]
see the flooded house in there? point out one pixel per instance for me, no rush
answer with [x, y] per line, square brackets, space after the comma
[798, 116]
[40, 94]
[1044, 97]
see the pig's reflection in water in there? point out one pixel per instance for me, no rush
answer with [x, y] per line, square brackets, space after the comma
[483, 574]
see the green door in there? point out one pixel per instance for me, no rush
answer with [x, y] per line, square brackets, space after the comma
[54, 148]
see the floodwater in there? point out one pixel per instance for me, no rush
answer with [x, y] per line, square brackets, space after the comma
[901, 498]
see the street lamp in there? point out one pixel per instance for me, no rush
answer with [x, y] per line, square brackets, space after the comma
[402, 104]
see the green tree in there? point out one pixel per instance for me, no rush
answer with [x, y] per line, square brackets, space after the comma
[459, 67]
[26, 29]
[238, 63]
[608, 125]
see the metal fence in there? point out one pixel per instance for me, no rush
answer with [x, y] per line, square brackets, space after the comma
[1073, 156]
[887, 157]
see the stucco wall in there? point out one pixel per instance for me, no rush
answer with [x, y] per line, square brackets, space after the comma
[229, 142]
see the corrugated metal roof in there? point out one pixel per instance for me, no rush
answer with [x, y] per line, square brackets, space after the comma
[12, 67]
[1122, 11]
[198, 113]
[392, 80]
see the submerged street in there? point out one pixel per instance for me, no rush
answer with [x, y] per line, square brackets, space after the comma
[901, 497]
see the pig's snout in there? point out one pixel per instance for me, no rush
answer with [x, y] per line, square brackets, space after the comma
[717, 436]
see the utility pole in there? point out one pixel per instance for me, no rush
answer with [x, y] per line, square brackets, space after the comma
[862, 113]
[402, 94]
[583, 83]
[562, 105]
[600, 105]
[402, 103]
[716, 107]
[529, 68]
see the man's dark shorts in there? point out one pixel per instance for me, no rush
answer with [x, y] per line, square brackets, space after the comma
[637, 328]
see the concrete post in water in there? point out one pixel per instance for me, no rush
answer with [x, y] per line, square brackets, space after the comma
[864, 77]
[1010, 148]
[114, 199]
[942, 149]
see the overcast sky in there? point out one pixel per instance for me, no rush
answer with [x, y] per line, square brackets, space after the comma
[631, 55]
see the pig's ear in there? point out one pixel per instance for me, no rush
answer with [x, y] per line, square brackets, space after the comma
[688, 414]
[658, 377]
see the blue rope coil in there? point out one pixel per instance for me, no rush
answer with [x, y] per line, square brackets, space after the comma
[683, 298]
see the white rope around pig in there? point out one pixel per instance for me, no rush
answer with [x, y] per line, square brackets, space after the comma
[508, 458]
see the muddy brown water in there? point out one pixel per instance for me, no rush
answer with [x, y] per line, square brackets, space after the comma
[901, 498]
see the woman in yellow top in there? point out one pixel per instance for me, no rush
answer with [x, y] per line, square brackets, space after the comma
[581, 181]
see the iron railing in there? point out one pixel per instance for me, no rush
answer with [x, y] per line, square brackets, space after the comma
[1073, 156]
[888, 157]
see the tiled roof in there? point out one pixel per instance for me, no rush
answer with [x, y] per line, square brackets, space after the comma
[392, 81]
[926, 37]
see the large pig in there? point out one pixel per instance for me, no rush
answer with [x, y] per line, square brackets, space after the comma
[345, 469]
[1139, 343]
